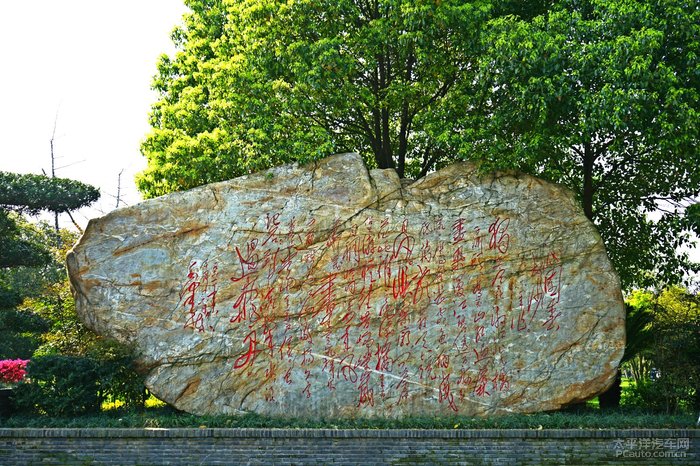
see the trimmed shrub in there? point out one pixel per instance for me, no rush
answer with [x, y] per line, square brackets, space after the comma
[120, 381]
[60, 386]
[119, 377]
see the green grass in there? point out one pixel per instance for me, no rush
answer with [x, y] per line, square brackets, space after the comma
[159, 415]
[166, 417]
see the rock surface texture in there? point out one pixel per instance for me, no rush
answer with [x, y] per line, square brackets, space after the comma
[328, 290]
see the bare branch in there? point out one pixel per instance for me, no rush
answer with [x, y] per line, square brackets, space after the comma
[75, 224]
[119, 188]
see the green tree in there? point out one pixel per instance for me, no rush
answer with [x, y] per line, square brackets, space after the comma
[257, 83]
[693, 214]
[34, 193]
[51, 299]
[27, 265]
[30, 268]
[601, 96]
[604, 97]
[670, 346]
[37, 311]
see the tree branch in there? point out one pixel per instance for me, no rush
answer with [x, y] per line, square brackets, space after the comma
[428, 164]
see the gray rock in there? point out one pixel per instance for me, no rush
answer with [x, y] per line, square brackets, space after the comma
[328, 290]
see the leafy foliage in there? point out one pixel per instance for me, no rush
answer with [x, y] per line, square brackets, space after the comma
[120, 379]
[63, 334]
[166, 417]
[693, 215]
[66, 334]
[638, 329]
[29, 280]
[20, 333]
[17, 249]
[46, 328]
[28, 265]
[33, 193]
[9, 298]
[258, 83]
[604, 98]
[21, 327]
[60, 386]
[599, 96]
[667, 368]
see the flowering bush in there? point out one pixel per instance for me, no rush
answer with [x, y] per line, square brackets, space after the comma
[12, 371]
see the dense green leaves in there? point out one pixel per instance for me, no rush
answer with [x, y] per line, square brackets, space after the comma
[27, 285]
[38, 319]
[604, 98]
[37, 311]
[18, 246]
[638, 330]
[257, 83]
[60, 386]
[20, 333]
[32, 193]
[693, 217]
[601, 96]
[666, 362]
[28, 264]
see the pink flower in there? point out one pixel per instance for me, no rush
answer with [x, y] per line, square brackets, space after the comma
[12, 370]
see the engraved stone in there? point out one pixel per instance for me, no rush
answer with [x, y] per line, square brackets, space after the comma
[331, 290]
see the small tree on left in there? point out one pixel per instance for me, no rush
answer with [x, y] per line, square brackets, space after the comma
[24, 251]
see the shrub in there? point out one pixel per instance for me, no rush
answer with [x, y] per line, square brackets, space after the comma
[119, 378]
[60, 386]
[19, 333]
[673, 351]
[120, 381]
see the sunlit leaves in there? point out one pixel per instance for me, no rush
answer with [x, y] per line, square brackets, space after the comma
[603, 97]
[298, 80]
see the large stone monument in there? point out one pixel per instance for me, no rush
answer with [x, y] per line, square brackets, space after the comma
[331, 290]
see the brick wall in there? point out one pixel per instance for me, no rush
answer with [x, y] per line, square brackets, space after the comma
[326, 446]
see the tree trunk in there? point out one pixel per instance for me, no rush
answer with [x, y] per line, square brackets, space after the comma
[611, 398]
[380, 114]
[406, 118]
[588, 190]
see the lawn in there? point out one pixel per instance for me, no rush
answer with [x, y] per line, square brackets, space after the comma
[158, 415]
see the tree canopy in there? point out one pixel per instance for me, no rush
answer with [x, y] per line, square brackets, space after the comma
[601, 96]
[33, 193]
[667, 342]
[27, 262]
[18, 248]
[257, 83]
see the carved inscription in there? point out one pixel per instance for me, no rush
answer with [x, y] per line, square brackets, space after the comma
[392, 292]
[331, 290]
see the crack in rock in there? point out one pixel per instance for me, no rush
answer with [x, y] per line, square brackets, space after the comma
[333, 290]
